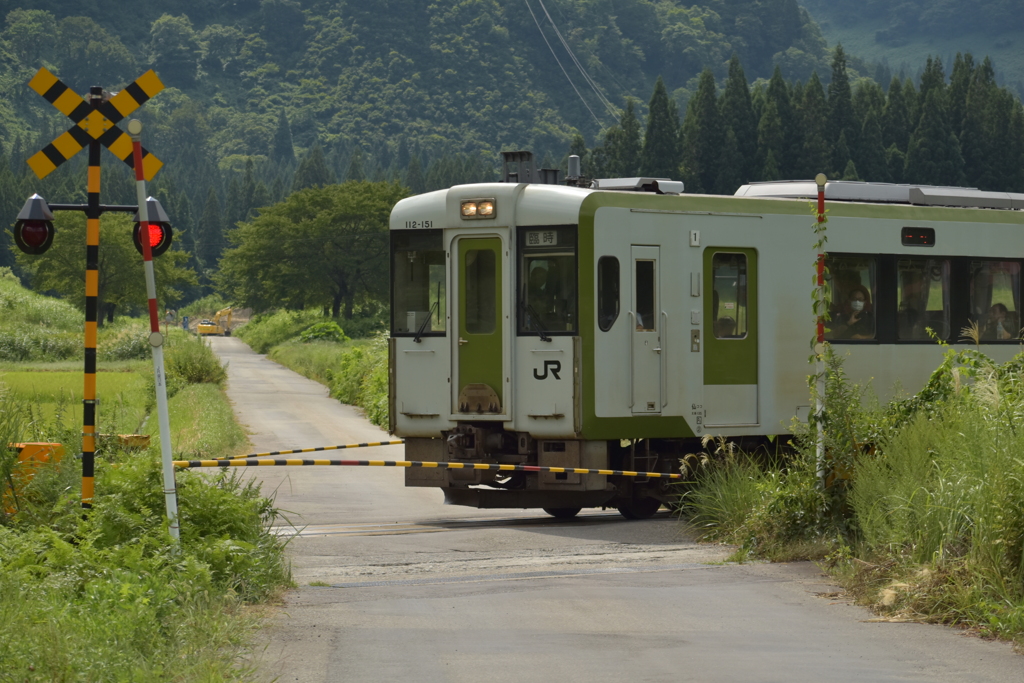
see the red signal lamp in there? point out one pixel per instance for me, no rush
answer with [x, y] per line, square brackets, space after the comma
[33, 230]
[160, 233]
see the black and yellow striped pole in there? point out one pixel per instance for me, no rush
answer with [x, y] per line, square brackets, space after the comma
[95, 126]
[92, 287]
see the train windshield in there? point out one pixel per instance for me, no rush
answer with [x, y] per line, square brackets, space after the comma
[547, 281]
[417, 283]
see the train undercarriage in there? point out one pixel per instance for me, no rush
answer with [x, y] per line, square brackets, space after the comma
[561, 494]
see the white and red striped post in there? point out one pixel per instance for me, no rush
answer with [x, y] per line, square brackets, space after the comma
[819, 347]
[156, 339]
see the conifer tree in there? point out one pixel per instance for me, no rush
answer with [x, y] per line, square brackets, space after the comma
[914, 102]
[895, 161]
[841, 118]
[959, 84]
[283, 152]
[702, 137]
[235, 211]
[659, 157]
[933, 78]
[779, 92]
[414, 176]
[813, 117]
[979, 127]
[934, 156]
[850, 172]
[623, 145]
[313, 170]
[737, 112]
[770, 170]
[730, 167]
[355, 167]
[896, 117]
[871, 155]
[770, 140]
[841, 153]
[210, 237]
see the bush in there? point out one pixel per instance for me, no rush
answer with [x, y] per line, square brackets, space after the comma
[265, 331]
[127, 340]
[193, 362]
[330, 332]
[37, 344]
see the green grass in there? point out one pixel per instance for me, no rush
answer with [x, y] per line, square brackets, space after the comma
[202, 424]
[356, 372]
[928, 526]
[124, 401]
[107, 597]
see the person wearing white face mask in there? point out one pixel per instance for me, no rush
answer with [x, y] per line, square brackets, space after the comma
[855, 318]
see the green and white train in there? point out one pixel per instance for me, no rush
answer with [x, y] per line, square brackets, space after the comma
[611, 326]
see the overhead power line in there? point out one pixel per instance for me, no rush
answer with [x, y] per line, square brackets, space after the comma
[596, 120]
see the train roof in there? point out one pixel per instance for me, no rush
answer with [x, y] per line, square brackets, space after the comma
[885, 193]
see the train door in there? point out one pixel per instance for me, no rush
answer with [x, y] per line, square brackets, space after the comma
[478, 385]
[646, 329]
[730, 333]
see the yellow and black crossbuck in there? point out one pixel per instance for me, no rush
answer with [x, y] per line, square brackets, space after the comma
[93, 123]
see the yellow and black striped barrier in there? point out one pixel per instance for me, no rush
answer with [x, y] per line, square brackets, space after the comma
[296, 462]
[365, 444]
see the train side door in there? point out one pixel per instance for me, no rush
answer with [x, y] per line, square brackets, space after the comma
[646, 332]
[730, 333]
[478, 384]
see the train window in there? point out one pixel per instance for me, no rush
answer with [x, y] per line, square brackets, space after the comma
[418, 283]
[645, 296]
[995, 299]
[607, 292]
[481, 285]
[729, 295]
[923, 294]
[547, 280]
[851, 280]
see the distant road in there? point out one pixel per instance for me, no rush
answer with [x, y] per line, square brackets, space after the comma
[408, 589]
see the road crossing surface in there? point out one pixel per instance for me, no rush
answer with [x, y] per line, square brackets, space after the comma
[395, 586]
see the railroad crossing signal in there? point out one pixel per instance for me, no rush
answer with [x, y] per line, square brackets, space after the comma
[93, 124]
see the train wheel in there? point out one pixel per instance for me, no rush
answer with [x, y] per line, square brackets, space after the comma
[640, 509]
[563, 513]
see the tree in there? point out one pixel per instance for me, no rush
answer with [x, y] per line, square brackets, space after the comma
[841, 118]
[871, 155]
[896, 117]
[175, 49]
[934, 156]
[623, 145]
[414, 176]
[702, 136]
[659, 157]
[737, 112]
[813, 114]
[322, 247]
[771, 141]
[959, 84]
[779, 92]
[313, 170]
[122, 283]
[283, 151]
[355, 167]
[730, 169]
[210, 240]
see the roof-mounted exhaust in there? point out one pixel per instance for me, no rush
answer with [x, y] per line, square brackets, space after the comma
[519, 167]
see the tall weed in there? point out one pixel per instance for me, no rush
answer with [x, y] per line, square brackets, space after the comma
[264, 331]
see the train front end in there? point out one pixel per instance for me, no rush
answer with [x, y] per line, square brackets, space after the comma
[485, 350]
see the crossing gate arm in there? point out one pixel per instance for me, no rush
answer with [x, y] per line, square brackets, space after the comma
[295, 462]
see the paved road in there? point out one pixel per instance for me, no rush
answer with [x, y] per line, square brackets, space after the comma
[407, 589]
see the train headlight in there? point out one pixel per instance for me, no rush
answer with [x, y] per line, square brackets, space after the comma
[478, 208]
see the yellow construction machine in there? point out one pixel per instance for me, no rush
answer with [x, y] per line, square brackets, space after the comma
[221, 324]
